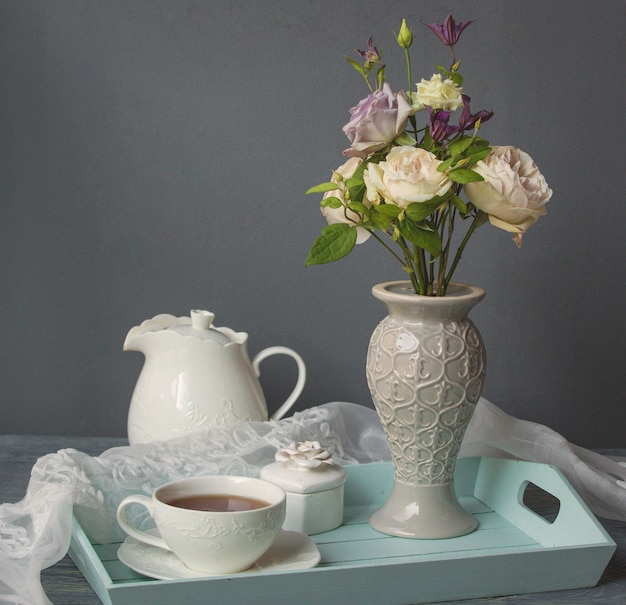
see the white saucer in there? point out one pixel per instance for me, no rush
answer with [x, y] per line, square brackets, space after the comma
[291, 550]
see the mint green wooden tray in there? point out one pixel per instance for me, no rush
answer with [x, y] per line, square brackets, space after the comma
[513, 551]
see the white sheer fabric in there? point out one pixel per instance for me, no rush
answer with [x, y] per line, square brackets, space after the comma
[35, 532]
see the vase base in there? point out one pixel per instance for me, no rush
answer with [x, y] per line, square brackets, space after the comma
[426, 512]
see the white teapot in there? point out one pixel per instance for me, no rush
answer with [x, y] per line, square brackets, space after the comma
[195, 376]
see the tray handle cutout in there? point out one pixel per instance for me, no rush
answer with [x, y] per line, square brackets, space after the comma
[501, 484]
[539, 501]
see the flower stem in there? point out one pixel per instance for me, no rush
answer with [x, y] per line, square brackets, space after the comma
[388, 248]
[453, 60]
[408, 70]
[411, 267]
[445, 253]
[419, 260]
[479, 219]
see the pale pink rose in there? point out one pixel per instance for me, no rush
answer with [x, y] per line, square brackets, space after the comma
[342, 214]
[376, 121]
[514, 192]
[409, 174]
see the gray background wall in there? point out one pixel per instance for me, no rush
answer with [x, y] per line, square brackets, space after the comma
[154, 158]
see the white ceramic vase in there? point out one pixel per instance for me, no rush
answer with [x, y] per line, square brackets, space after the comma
[425, 371]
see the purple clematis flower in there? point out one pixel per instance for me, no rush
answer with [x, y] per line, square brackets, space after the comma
[448, 32]
[468, 120]
[439, 127]
[371, 55]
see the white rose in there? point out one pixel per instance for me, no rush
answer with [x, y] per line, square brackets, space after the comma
[514, 192]
[438, 94]
[409, 174]
[342, 214]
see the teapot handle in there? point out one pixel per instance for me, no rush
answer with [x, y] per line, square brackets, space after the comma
[285, 407]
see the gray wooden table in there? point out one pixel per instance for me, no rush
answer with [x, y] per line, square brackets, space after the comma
[65, 585]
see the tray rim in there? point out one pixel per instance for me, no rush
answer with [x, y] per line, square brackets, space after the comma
[92, 567]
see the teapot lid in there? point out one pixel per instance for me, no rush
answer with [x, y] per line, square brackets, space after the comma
[201, 326]
[197, 326]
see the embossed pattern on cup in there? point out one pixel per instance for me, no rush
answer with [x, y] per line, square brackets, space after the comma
[213, 542]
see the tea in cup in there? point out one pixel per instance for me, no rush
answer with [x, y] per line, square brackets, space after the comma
[217, 524]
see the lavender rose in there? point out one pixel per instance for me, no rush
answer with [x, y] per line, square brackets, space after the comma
[376, 121]
[409, 174]
[514, 192]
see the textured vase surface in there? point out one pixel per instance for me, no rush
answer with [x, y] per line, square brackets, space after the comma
[425, 372]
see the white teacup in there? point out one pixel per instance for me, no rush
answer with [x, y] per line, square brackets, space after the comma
[215, 542]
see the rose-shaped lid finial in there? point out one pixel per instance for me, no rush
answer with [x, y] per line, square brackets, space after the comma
[304, 455]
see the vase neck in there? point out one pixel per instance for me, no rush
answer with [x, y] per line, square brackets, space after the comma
[402, 302]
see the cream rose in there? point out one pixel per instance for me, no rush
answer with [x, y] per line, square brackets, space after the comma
[342, 214]
[438, 94]
[409, 174]
[514, 192]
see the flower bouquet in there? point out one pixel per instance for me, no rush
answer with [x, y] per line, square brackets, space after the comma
[410, 166]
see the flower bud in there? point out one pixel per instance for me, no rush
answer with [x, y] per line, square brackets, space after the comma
[405, 37]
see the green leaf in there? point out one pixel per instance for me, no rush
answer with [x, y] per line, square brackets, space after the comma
[427, 141]
[460, 204]
[478, 148]
[356, 191]
[478, 153]
[464, 175]
[445, 165]
[405, 139]
[378, 220]
[459, 147]
[457, 78]
[357, 66]
[418, 211]
[358, 173]
[331, 202]
[355, 184]
[426, 238]
[322, 188]
[359, 208]
[335, 242]
[390, 210]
